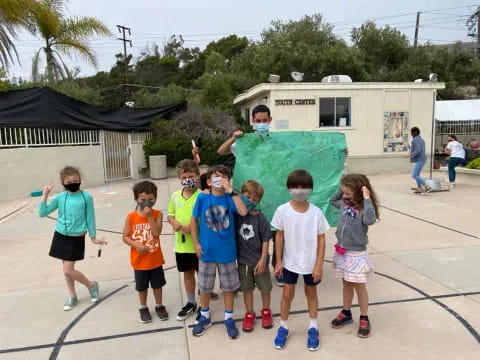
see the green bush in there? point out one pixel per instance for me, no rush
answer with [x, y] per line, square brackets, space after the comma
[474, 164]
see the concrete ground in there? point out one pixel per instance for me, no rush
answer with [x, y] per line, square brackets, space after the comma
[425, 297]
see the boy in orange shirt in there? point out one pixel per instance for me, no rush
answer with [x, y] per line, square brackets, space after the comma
[142, 233]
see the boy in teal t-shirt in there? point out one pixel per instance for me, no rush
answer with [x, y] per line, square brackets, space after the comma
[180, 208]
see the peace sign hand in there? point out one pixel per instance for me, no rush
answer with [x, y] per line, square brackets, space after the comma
[47, 188]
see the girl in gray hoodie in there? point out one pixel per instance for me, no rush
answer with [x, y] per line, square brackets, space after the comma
[358, 207]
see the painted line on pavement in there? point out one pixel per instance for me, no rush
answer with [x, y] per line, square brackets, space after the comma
[175, 328]
[60, 341]
[431, 222]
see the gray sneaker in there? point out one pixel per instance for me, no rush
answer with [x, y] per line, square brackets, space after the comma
[145, 316]
[70, 303]
[94, 292]
[161, 312]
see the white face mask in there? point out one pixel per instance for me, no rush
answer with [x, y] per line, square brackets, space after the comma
[300, 194]
[217, 181]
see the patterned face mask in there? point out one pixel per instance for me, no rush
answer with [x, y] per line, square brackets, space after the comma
[189, 183]
[300, 194]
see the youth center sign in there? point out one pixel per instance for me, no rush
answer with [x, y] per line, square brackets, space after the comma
[287, 102]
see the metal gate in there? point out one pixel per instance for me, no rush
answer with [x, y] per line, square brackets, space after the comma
[117, 155]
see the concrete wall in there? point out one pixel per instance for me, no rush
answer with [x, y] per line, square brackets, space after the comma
[370, 165]
[139, 162]
[28, 169]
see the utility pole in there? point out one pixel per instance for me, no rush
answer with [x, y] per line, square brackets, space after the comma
[471, 24]
[122, 29]
[417, 25]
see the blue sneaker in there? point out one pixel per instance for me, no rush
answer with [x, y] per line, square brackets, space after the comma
[232, 330]
[313, 342]
[279, 281]
[281, 339]
[201, 327]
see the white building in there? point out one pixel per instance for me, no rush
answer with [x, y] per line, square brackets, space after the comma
[375, 117]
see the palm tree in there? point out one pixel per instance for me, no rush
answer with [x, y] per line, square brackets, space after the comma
[63, 36]
[13, 16]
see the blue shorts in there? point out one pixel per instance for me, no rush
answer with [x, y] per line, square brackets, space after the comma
[289, 277]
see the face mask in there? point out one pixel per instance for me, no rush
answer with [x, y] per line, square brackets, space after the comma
[348, 201]
[217, 181]
[189, 183]
[261, 127]
[300, 194]
[144, 204]
[248, 203]
[72, 187]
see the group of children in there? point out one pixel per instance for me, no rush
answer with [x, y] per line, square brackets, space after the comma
[220, 230]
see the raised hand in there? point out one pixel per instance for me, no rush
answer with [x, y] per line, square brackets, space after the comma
[46, 190]
[237, 133]
[365, 192]
[227, 185]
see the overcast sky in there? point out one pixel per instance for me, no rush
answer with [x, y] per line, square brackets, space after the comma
[153, 21]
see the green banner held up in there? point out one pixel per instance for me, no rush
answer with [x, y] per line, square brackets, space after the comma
[269, 159]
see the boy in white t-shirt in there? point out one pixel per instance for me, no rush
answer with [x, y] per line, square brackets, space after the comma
[300, 250]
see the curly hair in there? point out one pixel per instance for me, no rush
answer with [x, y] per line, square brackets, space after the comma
[355, 182]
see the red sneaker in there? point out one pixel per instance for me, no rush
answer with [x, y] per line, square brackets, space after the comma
[248, 322]
[267, 321]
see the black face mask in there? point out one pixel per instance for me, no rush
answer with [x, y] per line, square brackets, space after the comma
[348, 201]
[72, 187]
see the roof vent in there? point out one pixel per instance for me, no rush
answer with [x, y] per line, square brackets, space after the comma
[337, 79]
[273, 78]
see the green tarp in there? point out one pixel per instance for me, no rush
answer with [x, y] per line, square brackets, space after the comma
[271, 157]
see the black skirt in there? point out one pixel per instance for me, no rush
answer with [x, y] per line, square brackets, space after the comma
[70, 248]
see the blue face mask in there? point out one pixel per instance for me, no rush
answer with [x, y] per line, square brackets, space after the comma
[248, 203]
[261, 127]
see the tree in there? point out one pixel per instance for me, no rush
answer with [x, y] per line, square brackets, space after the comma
[229, 46]
[383, 50]
[156, 71]
[308, 46]
[13, 16]
[4, 83]
[63, 36]
[169, 95]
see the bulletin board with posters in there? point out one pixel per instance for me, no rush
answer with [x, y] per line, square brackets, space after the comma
[395, 131]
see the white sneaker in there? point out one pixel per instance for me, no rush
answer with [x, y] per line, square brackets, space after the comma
[451, 185]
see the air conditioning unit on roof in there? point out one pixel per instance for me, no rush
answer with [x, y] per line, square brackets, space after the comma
[337, 79]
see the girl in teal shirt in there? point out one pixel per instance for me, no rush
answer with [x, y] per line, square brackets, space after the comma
[76, 215]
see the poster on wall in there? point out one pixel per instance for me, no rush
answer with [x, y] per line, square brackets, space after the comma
[395, 131]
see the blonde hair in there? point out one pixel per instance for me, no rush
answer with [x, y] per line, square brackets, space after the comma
[252, 187]
[69, 170]
[187, 165]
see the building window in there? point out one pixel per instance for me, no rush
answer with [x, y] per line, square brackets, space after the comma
[335, 112]
[246, 115]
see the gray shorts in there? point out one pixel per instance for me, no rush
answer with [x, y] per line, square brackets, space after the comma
[227, 273]
[249, 280]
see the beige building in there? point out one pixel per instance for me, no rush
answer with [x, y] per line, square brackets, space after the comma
[375, 117]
